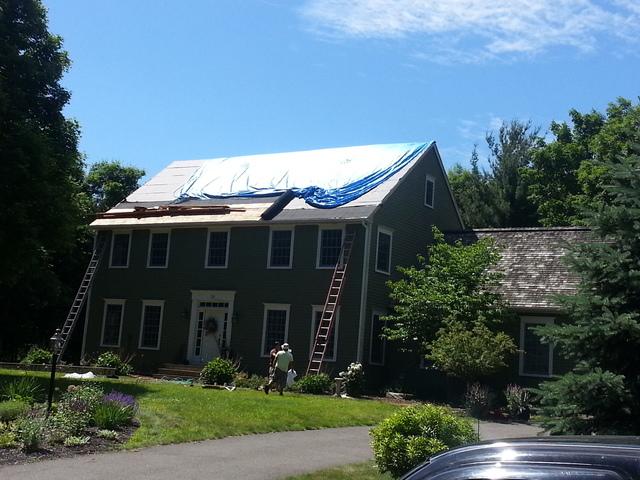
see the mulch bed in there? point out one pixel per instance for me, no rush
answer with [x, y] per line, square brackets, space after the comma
[15, 456]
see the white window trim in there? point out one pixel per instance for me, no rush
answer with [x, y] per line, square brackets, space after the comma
[274, 306]
[386, 231]
[536, 320]
[166, 260]
[293, 234]
[157, 303]
[384, 340]
[113, 234]
[338, 226]
[426, 180]
[206, 252]
[107, 302]
[336, 323]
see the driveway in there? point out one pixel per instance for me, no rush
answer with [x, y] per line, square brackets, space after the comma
[267, 456]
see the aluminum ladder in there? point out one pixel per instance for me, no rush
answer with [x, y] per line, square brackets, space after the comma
[325, 326]
[81, 297]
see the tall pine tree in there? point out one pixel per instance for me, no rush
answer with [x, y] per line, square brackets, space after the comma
[602, 394]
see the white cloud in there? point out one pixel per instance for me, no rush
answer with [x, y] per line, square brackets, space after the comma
[475, 30]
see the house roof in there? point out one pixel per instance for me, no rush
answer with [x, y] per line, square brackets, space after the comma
[531, 260]
[168, 187]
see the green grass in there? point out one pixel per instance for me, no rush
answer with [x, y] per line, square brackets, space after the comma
[355, 471]
[171, 413]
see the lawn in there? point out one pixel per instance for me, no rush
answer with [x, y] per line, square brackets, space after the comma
[171, 413]
[356, 471]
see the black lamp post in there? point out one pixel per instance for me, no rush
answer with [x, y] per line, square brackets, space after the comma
[56, 347]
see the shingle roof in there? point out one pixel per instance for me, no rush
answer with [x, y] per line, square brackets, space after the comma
[531, 260]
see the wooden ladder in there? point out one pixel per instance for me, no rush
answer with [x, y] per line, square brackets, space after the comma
[81, 297]
[325, 326]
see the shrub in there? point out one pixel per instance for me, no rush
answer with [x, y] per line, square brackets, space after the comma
[26, 389]
[113, 360]
[315, 384]
[107, 434]
[8, 439]
[123, 399]
[476, 401]
[74, 441]
[112, 415]
[353, 379]
[243, 380]
[413, 434]
[74, 411]
[37, 355]
[218, 372]
[29, 431]
[12, 409]
[517, 401]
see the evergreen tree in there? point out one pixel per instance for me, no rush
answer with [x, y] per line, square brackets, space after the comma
[40, 173]
[602, 394]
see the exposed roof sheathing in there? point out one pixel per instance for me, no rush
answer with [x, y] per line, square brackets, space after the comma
[531, 260]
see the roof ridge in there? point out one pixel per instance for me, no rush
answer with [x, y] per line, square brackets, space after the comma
[523, 229]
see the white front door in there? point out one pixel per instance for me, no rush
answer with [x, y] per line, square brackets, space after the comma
[210, 329]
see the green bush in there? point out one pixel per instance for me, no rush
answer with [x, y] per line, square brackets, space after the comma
[8, 439]
[12, 409]
[254, 382]
[413, 434]
[30, 431]
[113, 360]
[218, 372]
[112, 415]
[75, 441]
[107, 434]
[353, 379]
[26, 389]
[315, 384]
[74, 411]
[476, 401]
[37, 355]
[518, 404]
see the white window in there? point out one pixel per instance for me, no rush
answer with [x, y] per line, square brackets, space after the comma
[383, 250]
[280, 248]
[275, 326]
[378, 345]
[151, 324]
[112, 322]
[158, 255]
[120, 247]
[429, 191]
[332, 344]
[329, 246]
[536, 358]
[217, 249]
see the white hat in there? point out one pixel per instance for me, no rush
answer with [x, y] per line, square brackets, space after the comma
[285, 346]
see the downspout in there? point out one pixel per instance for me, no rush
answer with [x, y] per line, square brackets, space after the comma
[364, 291]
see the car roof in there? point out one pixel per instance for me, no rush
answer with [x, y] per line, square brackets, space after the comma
[620, 453]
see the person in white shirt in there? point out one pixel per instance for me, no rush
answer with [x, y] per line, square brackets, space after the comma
[282, 363]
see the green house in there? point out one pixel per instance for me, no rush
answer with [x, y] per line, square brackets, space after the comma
[184, 281]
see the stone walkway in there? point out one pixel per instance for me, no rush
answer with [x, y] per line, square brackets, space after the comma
[249, 457]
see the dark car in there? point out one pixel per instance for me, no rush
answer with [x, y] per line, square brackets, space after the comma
[567, 458]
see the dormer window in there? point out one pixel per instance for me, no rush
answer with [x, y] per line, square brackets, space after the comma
[429, 191]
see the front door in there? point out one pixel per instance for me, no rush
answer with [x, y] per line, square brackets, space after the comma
[210, 326]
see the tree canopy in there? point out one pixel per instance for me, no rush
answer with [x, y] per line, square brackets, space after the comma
[602, 394]
[108, 183]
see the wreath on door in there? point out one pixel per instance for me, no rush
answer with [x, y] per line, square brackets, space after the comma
[211, 326]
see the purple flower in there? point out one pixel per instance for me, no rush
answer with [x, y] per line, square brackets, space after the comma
[124, 400]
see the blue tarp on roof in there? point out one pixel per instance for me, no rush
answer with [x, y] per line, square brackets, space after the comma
[325, 178]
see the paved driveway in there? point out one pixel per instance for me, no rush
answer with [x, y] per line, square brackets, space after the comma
[267, 456]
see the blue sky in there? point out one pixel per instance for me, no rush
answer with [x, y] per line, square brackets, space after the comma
[154, 81]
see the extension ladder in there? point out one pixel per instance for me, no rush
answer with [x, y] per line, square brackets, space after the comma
[325, 326]
[81, 297]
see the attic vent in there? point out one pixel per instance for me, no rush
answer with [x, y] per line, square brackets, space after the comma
[277, 206]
